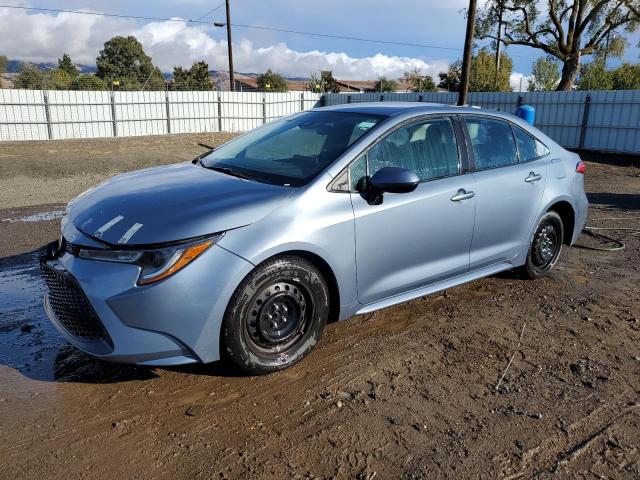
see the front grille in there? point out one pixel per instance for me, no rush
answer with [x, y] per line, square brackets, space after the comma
[72, 308]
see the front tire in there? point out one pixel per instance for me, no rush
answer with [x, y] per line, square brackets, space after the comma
[276, 315]
[545, 247]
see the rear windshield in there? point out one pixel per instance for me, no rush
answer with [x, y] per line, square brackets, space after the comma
[292, 151]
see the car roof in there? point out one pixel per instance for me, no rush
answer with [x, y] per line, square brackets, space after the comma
[394, 108]
[409, 109]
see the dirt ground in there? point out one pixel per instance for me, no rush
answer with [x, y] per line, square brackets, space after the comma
[407, 392]
[45, 172]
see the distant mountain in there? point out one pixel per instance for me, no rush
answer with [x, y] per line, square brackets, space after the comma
[14, 66]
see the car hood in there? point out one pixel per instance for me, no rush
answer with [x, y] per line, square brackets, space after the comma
[170, 203]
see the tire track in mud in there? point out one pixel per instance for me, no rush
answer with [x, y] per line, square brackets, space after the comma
[405, 392]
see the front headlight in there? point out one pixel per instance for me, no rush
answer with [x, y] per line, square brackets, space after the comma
[158, 263]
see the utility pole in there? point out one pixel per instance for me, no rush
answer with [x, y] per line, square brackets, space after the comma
[232, 79]
[498, 42]
[468, 50]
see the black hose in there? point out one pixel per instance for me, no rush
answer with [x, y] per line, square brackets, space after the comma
[618, 243]
[590, 231]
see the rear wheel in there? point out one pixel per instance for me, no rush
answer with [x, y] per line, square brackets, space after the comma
[276, 315]
[545, 247]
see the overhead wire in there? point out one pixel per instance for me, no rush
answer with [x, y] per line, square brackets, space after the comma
[248, 26]
[173, 35]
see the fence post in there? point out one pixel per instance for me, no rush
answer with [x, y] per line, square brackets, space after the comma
[585, 121]
[114, 120]
[264, 108]
[219, 113]
[348, 98]
[382, 98]
[520, 100]
[302, 101]
[166, 97]
[47, 114]
[420, 98]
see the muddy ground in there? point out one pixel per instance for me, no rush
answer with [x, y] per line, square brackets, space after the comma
[407, 392]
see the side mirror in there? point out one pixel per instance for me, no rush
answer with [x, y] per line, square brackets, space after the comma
[394, 180]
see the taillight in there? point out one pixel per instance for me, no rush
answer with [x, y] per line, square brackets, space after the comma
[581, 167]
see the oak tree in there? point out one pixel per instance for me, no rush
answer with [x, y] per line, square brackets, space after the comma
[564, 29]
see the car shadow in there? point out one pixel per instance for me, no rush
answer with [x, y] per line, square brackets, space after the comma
[622, 201]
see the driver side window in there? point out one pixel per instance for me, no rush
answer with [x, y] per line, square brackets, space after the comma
[427, 148]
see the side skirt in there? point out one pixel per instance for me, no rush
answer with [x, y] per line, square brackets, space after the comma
[436, 287]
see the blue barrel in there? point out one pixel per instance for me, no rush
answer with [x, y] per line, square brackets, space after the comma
[527, 113]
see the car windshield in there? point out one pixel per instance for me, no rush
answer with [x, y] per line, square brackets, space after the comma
[293, 150]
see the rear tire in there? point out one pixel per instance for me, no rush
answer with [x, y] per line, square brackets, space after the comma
[276, 315]
[545, 247]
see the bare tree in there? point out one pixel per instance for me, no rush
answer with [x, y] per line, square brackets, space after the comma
[564, 29]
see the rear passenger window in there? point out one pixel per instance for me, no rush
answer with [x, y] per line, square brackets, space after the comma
[427, 148]
[492, 143]
[528, 147]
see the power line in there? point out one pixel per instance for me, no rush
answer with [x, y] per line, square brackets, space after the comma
[254, 27]
[113, 15]
[344, 37]
[173, 35]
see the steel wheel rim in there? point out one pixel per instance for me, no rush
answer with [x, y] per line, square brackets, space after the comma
[279, 317]
[546, 245]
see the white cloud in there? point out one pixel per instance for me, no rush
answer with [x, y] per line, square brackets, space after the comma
[38, 37]
[519, 82]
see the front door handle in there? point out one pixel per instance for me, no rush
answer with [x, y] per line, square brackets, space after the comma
[533, 177]
[462, 195]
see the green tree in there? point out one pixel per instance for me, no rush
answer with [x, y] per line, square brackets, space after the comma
[564, 29]
[419, 82]
[30, 78]
[450, 80]
[196, 78]
[594, 76]
[65, 64]
[385, 84]
[626, 77]
[483, 76]
[200, 78]
[123, 59]
[325, 83]
[271, 81]
[58, 79]
[180, 79]
[3, 63]
[88, 82]
[546, 75]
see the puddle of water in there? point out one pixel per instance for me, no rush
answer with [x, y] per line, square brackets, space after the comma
[38, 217]
[30, 344]
[28, 341]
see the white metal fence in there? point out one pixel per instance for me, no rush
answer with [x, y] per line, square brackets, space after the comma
[599, 120]
[608, 121]
[59, 114]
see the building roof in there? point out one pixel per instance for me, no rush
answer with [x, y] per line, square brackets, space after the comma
[251, 83]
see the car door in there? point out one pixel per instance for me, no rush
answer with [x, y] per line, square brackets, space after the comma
[508, 189]
[413, 239]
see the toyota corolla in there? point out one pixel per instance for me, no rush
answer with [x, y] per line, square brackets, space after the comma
[246, 253]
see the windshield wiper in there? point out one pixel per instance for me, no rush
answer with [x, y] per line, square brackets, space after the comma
[237, 173]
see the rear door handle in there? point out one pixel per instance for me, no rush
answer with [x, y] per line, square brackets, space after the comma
[533, 177]
[462, 195]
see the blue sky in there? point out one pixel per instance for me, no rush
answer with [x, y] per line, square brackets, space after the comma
[439, 23]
